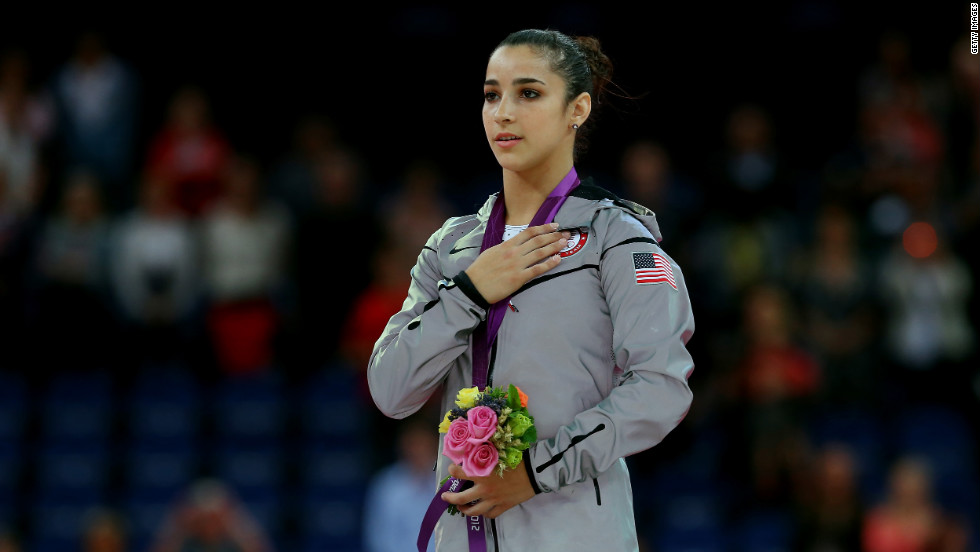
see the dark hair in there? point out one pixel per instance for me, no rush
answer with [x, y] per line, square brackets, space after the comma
[578, 60]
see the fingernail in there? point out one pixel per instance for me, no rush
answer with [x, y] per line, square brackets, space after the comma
[563, 241]
[557, 257]
[554, 225]
[566, 234]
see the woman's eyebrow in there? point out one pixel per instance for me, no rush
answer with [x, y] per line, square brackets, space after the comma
[521, 80]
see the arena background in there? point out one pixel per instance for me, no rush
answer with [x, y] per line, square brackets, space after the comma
[109, 418]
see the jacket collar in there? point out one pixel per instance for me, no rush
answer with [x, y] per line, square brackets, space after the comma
[583, 205]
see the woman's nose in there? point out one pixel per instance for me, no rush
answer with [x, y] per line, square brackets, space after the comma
[504, 113]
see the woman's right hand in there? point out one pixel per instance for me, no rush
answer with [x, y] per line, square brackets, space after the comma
[504, 268]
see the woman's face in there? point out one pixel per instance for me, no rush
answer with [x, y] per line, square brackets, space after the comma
[526, 118]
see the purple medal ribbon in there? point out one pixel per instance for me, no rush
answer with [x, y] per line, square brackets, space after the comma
[483, 338]
[485, 334]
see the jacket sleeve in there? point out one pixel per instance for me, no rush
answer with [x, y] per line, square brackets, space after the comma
[652, 322]
[420, 343]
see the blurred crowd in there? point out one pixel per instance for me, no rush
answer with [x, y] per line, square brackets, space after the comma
[841, 293]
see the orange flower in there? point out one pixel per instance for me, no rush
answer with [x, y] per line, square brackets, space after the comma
[522, 395]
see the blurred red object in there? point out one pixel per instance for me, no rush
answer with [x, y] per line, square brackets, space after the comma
[242, 334]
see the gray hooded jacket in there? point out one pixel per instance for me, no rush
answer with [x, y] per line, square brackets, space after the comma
[597, 344]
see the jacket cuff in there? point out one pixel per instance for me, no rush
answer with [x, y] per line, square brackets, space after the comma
[530, 472]
[465, 285]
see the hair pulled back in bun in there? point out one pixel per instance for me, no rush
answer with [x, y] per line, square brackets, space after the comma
[579, 61]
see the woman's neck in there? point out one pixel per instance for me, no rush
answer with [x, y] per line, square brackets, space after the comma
[525, 191]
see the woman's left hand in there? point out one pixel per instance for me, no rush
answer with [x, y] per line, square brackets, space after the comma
[494, 494]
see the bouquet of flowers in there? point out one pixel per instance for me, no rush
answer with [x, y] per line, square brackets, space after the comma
[488, 431]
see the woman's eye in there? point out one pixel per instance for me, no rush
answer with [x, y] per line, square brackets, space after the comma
[489, 96]
[528, 93]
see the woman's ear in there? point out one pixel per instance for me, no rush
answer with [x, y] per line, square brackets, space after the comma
[581, 107]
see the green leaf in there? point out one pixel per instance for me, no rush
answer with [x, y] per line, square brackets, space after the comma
[513, 398]
[531, 435]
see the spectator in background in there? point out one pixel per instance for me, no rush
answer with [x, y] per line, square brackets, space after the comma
[71, 280]
[962, 131]
[332, 263]
[189, 153]
[382, 298]
[104, 531]
[752, 173]
[22, 126]
[20, 195]
[748, 234]
[294, 180]
[776, 382]
[925, 288]
[912, 147]
[210, 519]
[649, 178]
[8, 542]
[37, 107]
[908, 519]
[25, 122]
[154, 273]
[961, 111]
[245, 239]
[416, 209]
[97, 99]
[836, 288]
[830, 509]
[891, 70]
[398, 495]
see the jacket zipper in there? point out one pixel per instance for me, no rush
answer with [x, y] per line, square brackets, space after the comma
[493, 357]
[493, 530]
[598, 497]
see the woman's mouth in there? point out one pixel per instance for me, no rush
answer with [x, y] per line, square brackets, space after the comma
[507, 140]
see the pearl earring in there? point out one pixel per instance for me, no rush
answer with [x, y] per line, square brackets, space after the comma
[575, 127]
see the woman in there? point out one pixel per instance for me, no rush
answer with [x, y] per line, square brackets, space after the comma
[597, 315]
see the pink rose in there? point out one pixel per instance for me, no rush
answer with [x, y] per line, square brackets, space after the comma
[481, 460]
[455, 444]
[483, 423]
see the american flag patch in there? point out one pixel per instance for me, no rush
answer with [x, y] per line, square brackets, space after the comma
[651, 268]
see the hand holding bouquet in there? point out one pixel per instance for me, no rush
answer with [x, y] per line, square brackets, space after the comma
[488, 431]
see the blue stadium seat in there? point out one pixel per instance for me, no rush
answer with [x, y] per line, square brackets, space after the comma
[246, 469]
[331, 410]
[692, 512]
[77, 471]
[168, 469]
[14, 404]
[764, 531]
[249, 409]
[11, 464]
[703, 540]
[328, 523]
[76, 423]
[333, 469]
[77, 408]
[266, 506]
[165, 404]
[57, 523]
[167, 384]
[146, 510]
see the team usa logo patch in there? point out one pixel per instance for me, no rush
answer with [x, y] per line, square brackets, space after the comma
[651, 268]
[575, 242]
